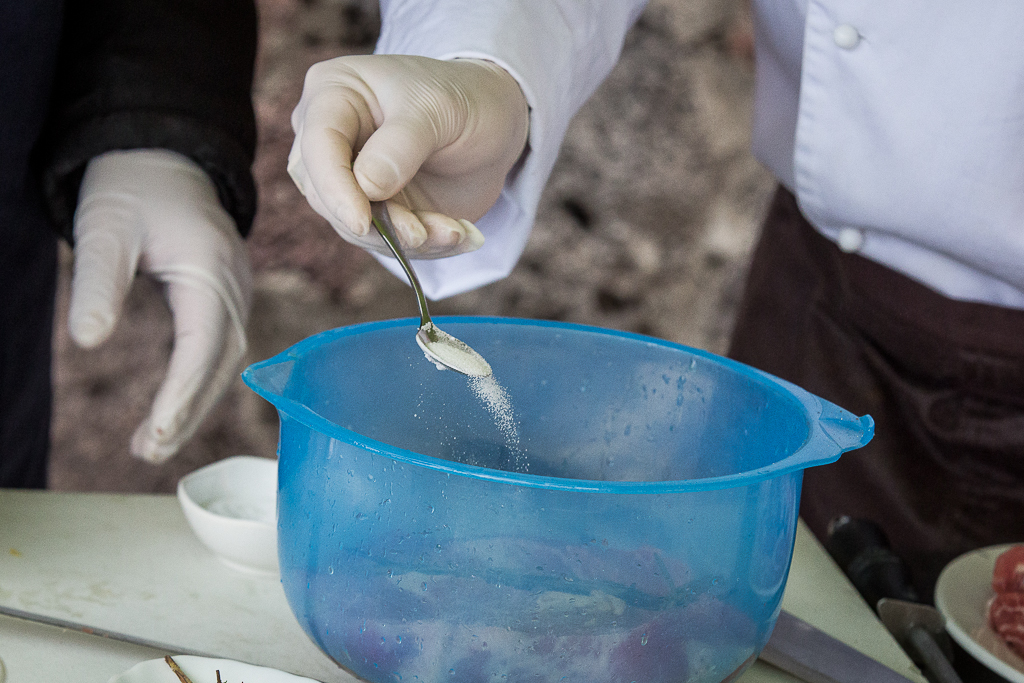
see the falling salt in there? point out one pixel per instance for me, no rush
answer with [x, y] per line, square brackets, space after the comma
[445, 351]
[496, 400]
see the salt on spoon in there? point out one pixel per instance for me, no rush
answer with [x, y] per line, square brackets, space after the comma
[444, 350]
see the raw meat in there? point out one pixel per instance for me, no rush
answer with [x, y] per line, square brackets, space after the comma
[1006, 609]
[1008, 576]
[1006, 616]
[572, 613]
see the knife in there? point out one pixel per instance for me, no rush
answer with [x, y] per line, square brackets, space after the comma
[101, 633]
[812, 655]
[795, 647]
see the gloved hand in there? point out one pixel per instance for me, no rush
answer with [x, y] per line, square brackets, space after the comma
[158, 211]
[435, 138]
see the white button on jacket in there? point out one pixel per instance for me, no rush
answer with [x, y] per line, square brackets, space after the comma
[846, 36]
[904, 120]
[850, 240]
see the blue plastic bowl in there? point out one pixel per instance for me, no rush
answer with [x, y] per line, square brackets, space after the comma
[640, 530]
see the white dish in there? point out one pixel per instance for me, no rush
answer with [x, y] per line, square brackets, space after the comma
[204, 670]
[231, 506]
[962, 595]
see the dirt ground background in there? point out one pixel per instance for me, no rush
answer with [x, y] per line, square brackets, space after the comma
[646, 225]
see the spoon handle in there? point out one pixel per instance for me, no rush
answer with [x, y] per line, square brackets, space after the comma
[382, 221]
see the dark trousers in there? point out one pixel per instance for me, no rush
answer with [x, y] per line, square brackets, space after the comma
[27, 278]
[29, 37]
[943, 379]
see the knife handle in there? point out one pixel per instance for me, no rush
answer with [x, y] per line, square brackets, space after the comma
[862, 551]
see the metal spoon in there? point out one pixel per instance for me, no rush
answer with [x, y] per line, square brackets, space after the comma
[438, 346]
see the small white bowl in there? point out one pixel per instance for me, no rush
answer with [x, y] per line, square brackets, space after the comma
[231, 506]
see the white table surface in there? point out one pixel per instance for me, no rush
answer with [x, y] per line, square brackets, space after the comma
[130, 563]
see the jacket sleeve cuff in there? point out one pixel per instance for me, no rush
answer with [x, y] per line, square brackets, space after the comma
[224, 160]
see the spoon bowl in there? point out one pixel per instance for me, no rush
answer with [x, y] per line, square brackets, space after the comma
[446, 351]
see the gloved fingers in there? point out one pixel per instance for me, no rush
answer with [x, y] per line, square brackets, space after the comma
[434, 138]
[209, 346]
[333, 125]
[107, 249]
[431, 235]
[323, 170]
[371, 240]
[393, 155]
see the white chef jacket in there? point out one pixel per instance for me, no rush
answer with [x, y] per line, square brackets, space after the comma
[899, 126]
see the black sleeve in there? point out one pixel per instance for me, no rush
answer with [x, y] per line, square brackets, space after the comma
[175, 74]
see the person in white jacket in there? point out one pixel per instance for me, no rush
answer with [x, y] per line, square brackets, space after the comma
[890, 273]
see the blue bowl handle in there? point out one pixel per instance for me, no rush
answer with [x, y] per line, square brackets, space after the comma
[832, 430]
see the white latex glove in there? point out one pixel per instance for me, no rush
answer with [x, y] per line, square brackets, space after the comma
[434, 138]
[157, 211]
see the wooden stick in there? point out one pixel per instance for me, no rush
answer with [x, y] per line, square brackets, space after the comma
[178, 672]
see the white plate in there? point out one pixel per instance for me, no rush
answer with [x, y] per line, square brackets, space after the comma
[204, 670]
[962, 595]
